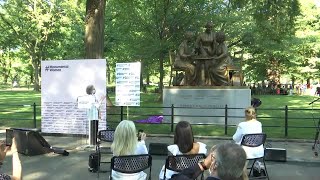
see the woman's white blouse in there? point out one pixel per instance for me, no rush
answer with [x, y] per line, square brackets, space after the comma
[141, 149]
[249, 127]
[174, 150]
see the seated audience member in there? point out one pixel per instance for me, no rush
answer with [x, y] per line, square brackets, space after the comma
[183, 144]
[255, 102]
[250, 126]
[126, 143]
[225, 162]
[16, 164]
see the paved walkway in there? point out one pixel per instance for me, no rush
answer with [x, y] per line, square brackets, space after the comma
[301, 164]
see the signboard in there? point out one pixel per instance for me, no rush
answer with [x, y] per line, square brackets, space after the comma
[128, 84]
[84, 102]
[64, 86]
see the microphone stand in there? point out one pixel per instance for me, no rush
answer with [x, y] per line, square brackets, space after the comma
[314, 101]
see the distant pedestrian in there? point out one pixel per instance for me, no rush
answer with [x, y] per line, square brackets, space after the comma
[317, 90]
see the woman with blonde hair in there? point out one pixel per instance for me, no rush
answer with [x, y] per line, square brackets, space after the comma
[250, 126]
[126, 143]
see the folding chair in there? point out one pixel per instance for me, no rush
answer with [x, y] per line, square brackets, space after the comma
[104, 136]
[178, 163]
[255, 140]
[131, 164]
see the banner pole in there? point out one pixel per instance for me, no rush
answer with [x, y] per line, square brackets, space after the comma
[127, 112]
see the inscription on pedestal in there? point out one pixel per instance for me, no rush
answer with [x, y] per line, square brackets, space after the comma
[206, 105]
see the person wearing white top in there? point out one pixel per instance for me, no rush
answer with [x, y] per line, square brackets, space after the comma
[183, 144]
[93, 110]
[126, 143]
[250, 126]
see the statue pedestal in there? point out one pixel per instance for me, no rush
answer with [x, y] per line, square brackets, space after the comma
[206, 104]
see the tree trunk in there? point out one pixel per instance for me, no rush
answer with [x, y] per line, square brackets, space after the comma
[35, 65]
[141, 78]
[108, 73]
[161, 75]
[148, 79]
[94, 32]
[293, 81]
[5, 78]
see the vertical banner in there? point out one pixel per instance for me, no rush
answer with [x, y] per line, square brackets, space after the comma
[66, 88]
[128, 84]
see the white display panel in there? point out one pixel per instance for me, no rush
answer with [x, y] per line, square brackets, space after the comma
[63, 82]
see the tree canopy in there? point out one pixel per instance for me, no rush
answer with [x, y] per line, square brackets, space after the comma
[276, 38]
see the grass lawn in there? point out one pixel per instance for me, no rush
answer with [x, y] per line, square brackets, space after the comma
[301, 116]
[271, 113]
[15, 109]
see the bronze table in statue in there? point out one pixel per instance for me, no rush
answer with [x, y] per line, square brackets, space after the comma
[202, 70]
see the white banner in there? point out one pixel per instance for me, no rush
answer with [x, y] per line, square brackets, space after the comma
[63, 84]
[128, 84]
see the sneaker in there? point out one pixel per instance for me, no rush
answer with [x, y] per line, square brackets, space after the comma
[256, 169]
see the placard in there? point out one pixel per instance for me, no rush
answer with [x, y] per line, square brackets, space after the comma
[128, 84]
[84, 102]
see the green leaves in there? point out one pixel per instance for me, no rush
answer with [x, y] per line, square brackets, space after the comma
[286, 31]
[43, 30]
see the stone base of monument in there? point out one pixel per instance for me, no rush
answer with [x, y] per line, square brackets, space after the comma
[206, 105]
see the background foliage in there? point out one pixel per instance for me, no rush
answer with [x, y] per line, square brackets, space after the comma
[275, 38]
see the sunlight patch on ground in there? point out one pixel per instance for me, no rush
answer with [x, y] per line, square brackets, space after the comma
[35, 175]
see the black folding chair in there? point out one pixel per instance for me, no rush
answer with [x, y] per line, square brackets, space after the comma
[131, 164]
[104, 136]
[178, 163]
[255, 140]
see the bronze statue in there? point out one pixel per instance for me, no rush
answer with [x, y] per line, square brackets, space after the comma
[207, 63]
[205, 48]
[218, 69]
[206, 42]
[184, 59]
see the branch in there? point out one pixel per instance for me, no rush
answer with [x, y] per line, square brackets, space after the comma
[8, 24]
[19, 35]
[234, 43]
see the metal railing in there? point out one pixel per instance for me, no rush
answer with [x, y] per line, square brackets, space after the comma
[282, 118]
[11, 113]
[285, 119]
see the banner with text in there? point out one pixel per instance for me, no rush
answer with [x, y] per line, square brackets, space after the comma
[64, 91]
[128, 84]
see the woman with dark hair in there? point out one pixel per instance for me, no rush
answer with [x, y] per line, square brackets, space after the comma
[183, 144]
